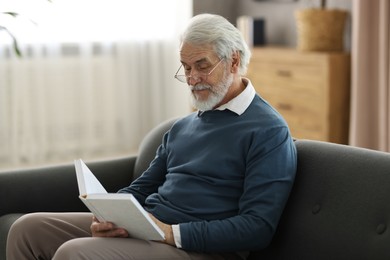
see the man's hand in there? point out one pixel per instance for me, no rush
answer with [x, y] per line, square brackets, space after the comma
[106, 229]
[167, 229]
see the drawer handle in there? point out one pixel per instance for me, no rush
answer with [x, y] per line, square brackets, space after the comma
[284, 73]
[284, 106]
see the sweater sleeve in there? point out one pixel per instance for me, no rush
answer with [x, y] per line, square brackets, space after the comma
[270, 171]
[152, 178]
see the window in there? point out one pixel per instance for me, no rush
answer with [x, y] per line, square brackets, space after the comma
[94, 77]
[93, 20]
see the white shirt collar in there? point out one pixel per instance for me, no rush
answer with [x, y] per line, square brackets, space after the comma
[240, 103]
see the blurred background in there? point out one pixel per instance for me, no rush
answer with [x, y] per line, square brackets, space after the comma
[94, 76]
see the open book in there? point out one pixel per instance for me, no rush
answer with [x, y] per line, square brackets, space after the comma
[122, 209]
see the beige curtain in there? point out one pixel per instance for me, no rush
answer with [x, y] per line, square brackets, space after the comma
[89, 98]
[370, 93]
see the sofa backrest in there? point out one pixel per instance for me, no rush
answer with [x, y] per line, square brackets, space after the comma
[148, 146]
[339, 207]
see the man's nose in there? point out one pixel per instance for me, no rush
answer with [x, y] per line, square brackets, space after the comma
[193, 80]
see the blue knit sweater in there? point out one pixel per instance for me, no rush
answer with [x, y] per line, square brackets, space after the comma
[222, 177]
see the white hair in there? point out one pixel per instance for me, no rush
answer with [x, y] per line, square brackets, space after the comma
[218, 32]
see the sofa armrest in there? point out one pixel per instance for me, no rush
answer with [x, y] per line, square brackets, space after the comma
[55, 188]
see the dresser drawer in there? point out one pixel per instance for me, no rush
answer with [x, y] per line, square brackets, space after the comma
[290, 79]
[306, 118]
[309, 89]
[296, 106]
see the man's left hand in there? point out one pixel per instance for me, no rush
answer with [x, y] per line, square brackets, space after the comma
[167, 229]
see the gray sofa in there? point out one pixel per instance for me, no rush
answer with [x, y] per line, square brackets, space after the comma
[339, 207]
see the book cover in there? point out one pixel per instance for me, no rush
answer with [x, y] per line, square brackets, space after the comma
[122, 209]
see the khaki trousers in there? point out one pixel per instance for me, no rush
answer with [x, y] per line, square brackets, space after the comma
[64, 236]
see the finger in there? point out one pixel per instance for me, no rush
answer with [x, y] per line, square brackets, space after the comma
[117, 232]
[120, 232]
[101, 227]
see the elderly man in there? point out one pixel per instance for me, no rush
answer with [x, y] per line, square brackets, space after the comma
[220, 179]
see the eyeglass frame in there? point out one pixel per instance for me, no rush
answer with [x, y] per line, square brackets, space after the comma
[198, 75]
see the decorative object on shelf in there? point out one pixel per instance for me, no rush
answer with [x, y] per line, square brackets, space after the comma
[320, 29]
[253, 30]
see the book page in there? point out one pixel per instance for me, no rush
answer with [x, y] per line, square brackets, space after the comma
[87, 182]
[124, 211]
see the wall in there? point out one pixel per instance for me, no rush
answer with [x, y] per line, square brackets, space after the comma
[226, 8]
[278, 14]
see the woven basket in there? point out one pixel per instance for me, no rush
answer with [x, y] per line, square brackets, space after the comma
[320, 30]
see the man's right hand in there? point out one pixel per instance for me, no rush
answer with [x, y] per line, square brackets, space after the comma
[106, 229]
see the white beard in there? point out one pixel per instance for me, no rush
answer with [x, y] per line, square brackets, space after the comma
[216, 94]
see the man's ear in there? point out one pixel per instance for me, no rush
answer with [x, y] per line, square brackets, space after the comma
[235, 62]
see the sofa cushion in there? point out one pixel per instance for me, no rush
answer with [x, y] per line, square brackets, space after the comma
[149, 145]
[339, 206]
[5, 224]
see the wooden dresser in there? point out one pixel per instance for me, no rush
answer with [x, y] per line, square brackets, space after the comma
[310, 89]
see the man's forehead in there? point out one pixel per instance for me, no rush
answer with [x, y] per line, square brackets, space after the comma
[196, 53]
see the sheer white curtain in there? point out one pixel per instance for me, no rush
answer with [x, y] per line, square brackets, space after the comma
[90, 89]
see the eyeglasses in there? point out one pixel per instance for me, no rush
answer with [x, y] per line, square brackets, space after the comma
[201, 73]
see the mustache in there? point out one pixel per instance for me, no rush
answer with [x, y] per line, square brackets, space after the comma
[199, 87]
